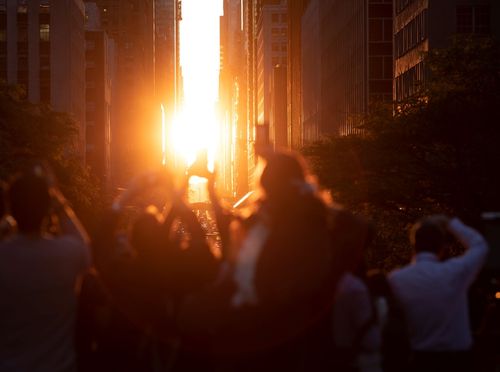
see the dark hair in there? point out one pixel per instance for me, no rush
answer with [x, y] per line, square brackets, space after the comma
[145, 231]
[283, 173]
[427, 236]
[28, 199]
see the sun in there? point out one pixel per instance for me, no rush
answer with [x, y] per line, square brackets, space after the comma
[195, 126]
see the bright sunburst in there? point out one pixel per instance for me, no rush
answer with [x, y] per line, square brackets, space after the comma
[195, 127]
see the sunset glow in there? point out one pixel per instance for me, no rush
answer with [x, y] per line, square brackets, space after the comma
[195, 127]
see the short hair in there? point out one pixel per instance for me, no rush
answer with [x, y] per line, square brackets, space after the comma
[282, 170]
[28, 200]
[427, 236]
[145, 233]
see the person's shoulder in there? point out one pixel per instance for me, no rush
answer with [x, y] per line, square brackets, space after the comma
[400, 273]
[69, 242]
[352, 284]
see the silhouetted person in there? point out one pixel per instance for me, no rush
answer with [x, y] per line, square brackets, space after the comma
[357, 316]
[271, 308]
[38, 279]
[148, 282]
[433, 293]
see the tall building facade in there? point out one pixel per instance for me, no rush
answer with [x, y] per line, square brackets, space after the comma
[278, 128]
[271, 51]
[356, 61]
[421, 25]
[42, 48]
[250, 51]
[136, 130]
[100, 81]
[295, 129]
[233, 100]
[165, 24]
[311, 68]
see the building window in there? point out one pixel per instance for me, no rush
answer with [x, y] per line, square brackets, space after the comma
[402, 4]
[473, 19]
[44, 32]
[410, 82]
[22, 6]
[44, 62]
[465, 16]
[44, 8]
[90, 45]
[275, 47]
[411, 35]
[275, 31]
[275, 18]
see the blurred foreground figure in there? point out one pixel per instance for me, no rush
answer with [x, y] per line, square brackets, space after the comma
[38, 278]
[433, 293]
[146, 277]
[271, 308]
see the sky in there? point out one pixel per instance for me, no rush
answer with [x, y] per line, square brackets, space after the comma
[196, 126]
[200, 51]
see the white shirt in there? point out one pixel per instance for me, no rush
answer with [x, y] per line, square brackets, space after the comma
[434, 293]
[38, 302]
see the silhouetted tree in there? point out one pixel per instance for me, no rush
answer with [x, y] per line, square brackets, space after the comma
[437, 151]
[36, 131]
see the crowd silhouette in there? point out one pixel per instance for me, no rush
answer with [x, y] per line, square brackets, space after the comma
[289, 291]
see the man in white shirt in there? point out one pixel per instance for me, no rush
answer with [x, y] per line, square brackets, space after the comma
[433, 293]
[38, 276]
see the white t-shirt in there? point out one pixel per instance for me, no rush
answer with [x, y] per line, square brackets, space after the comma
[38, 302]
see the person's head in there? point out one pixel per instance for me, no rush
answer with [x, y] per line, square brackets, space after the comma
[145, 233]
[28, 199]
[429, 235]
[284, 175]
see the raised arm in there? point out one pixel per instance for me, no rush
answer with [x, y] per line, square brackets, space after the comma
[69, 222]
[476, 249]
[222, 217]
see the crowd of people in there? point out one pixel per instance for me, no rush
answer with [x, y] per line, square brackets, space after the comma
[289, 291]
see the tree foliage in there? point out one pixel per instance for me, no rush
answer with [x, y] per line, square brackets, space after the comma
[437, 152]
[34, 131]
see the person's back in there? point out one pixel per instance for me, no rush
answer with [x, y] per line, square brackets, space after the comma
[37, 306]
[38, 276]
[433, 292]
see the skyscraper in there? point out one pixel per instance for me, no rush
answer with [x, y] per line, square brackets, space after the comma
[421, 26]
[355, 69]
[100, 82]
[272, 43]
[137, 140]
[233, 100]
[42, 48]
